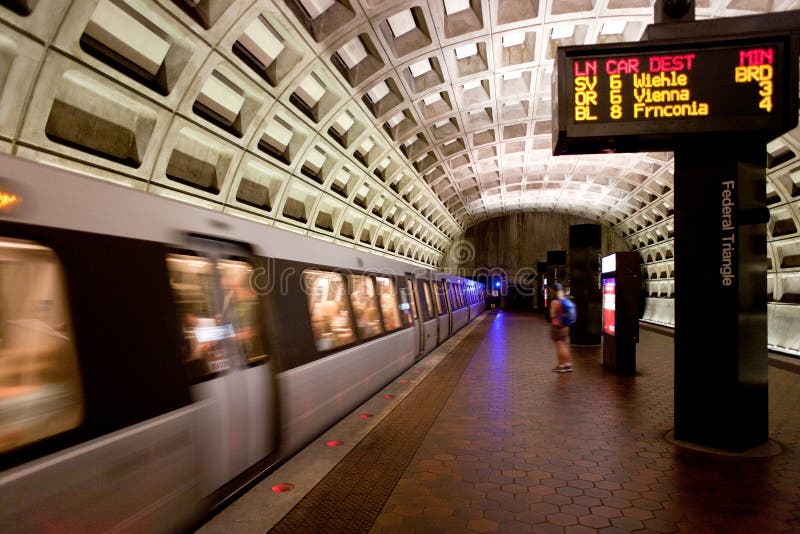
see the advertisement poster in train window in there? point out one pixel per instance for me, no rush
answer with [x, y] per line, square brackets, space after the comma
[363, 300]
[609, 305]
[388, 300]
[241, 309]
[205, 347]
[41, 393]
[405, 306]
[329, 313]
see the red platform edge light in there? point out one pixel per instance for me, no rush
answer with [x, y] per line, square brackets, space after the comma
[388, 396]
[334, 443]
[404, 381]
[365, 415]
[283, 486]
[417, 371]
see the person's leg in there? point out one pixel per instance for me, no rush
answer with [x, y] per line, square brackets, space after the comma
[566, 354]
[562, 352]
[554, 335]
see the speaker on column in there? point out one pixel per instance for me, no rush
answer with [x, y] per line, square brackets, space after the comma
[673, 11]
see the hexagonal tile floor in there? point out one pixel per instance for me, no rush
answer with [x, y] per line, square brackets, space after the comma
[505, 445]
[518, 448]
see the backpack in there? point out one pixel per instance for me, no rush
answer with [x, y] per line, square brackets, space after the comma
[568, 315]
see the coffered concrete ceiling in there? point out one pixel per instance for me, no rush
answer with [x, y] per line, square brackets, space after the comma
[383, 124]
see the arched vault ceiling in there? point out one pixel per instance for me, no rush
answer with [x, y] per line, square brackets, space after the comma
[391, 125]
[470, 88]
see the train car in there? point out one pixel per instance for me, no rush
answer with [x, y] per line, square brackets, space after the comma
[457, 301]
[156, 357]
[428, 324]
[476, 297]
[443, 309]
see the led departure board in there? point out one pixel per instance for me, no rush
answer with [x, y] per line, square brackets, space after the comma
[637, 96]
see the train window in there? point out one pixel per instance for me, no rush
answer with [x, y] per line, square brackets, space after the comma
[204, 351]
[327, 304]
[240, 307]
[454, 300]
[442, 298]
[388, 297]
[438, 299]
[40, 388]
[365, 306]
[428, 299]
[405, 305]
[411, 300]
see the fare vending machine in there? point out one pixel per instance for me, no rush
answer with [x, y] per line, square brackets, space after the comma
[622, 285]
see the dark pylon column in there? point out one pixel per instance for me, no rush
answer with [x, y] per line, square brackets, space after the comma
[720, 294]
[584, 278]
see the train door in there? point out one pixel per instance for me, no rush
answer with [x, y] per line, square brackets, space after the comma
[465, 291]
[427, 315]
[413, 298]
[436, 306]
[450, 304]
[433, 306]
[225, 354]
[441, 310]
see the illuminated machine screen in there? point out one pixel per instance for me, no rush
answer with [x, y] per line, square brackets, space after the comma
[638, 95]
[609, 305]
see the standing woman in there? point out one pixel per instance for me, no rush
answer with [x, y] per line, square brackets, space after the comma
[559, 332]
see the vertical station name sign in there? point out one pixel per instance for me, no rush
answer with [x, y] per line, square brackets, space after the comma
[637, 96]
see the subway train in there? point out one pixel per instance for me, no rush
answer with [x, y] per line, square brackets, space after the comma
[157, 357]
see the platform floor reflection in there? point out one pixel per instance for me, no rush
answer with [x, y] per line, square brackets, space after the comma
[493, 441]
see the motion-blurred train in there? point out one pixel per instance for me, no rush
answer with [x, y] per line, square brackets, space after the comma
[156, 357]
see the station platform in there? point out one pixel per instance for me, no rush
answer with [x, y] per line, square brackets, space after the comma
[481, 436]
